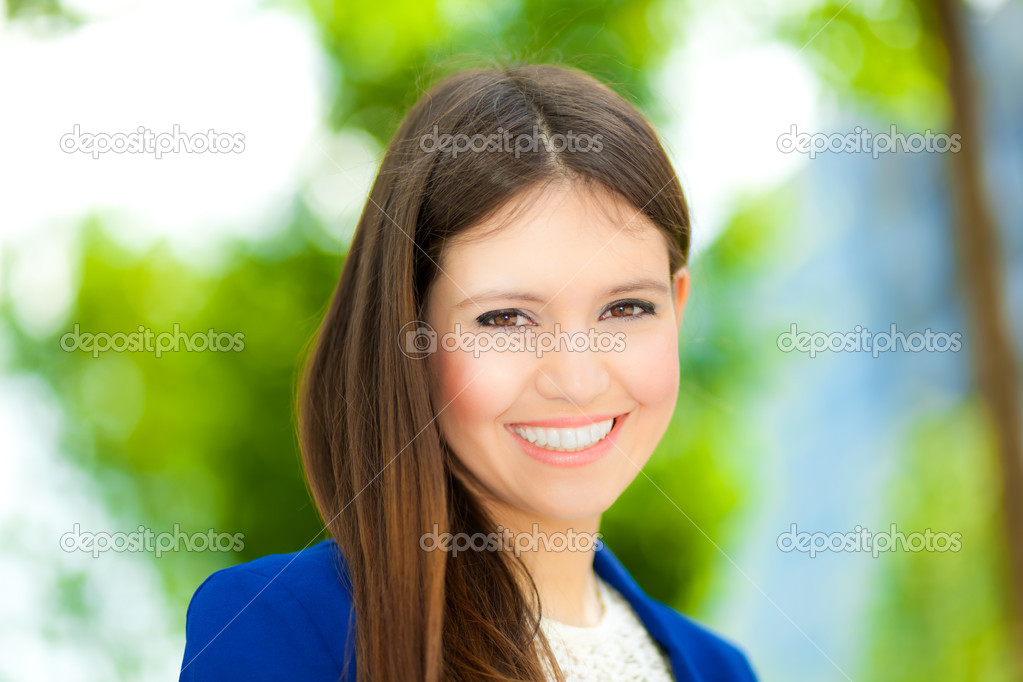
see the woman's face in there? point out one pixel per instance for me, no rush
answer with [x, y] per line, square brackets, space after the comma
[566, 259]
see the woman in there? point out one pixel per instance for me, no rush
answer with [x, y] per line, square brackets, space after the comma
[499, 360]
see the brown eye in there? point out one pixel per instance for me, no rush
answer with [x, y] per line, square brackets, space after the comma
[623, 310]
[507, 319]
[628, 310]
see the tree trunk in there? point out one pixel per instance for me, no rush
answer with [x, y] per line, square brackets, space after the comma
[993, 357]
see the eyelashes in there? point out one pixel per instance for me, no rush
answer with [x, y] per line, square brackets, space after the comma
[514, 317]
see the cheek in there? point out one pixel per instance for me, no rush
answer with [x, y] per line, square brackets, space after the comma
[649, 368]
[472, 393]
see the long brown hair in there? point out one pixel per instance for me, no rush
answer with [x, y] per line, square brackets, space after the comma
[376, 462]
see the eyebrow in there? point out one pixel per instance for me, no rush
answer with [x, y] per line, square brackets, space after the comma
[627, 287]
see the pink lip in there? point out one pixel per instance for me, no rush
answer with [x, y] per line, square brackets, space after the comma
[571, 459]
[568, 422]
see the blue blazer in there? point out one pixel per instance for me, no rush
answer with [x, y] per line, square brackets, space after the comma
[281, 617]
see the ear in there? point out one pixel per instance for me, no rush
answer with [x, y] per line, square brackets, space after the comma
[680, 294]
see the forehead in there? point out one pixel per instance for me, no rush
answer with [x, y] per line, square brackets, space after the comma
[565, 236]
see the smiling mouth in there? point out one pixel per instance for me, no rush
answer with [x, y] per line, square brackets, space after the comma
[566, 440]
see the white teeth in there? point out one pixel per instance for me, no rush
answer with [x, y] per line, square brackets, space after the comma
[565, 440]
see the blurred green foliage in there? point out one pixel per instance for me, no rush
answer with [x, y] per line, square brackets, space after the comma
[201, 439]
[383, 64]
[940, 615]
[883, 56]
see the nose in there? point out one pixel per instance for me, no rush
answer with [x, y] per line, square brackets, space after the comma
[576, 376]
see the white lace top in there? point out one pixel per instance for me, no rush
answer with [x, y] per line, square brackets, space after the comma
[617, 649]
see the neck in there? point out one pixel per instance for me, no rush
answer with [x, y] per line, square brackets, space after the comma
[564, 578]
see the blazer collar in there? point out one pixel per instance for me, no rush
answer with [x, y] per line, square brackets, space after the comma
[654, 616]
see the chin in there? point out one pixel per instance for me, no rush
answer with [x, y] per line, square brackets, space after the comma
[568, 502]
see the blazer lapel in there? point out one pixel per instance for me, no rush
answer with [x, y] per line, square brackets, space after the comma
[650, 612]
